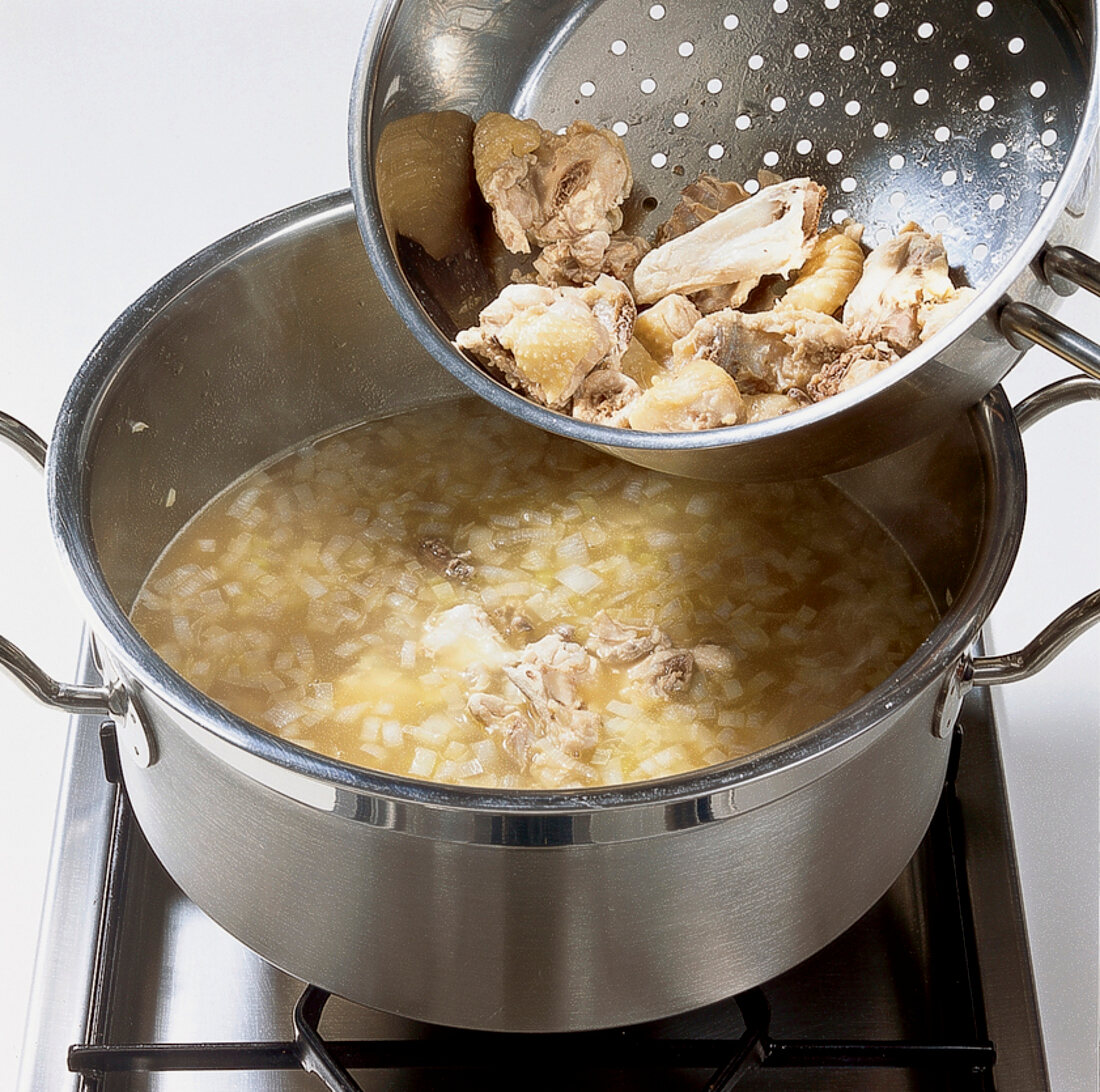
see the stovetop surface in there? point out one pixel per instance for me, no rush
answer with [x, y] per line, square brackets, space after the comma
[911, 969]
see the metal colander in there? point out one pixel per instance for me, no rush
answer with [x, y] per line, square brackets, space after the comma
[976, 120]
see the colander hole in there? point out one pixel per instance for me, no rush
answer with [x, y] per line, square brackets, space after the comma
[897, 162]
[743, 122]
[883, 234]
[752, 185]
[984, 9]
[685, 49]
[804, 146]
[658, 159]
[1048, 137]
[840, 215]
[756, 62]
[986, 103]
[649, 204]
[832, 5]
[961, 62]
[716, 151]
[778, 104]
[680, 120]
[980, 252]
[940, 221]
[834, 156]
[921, 96]
[998, 150]
[852, 107]
[996, 202]
[1047, 188]
[648, 86]
[779, 6]
[881, 129]
[897, 199]
[657, 11]
[770, 159]
[816, 98]
[949, 178]
[881, 10]
[731, 22]
[1015, 45]
[618, 47]
[1038, 89]
[847, 184]
[801, 51]
[925, 30]
[888, 68]
[847, 52]
[714, 85]
[942, 133]
[588, 89]
[620, 128]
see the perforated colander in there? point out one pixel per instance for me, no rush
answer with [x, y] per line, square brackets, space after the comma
[976, 120]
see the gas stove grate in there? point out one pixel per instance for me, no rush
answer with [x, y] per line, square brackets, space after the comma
[964, 1060]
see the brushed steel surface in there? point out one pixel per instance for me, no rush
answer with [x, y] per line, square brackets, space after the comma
[180, 978]
[979, 122]
[426, 899]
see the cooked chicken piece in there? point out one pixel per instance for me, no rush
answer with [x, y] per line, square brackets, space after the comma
[830, 273]
[934, 317]
[604, 396]
[615, 642]
[545, 341]
[462, 637]
[509, 620]
[709, 300]
[713, 658]
[582, 260]
[640, 366]
[699, 395]
[436, 554]
[699, 202]
[424, 184]
[668, 320]
[905, 282]
[548, 674]
[507, 722]
[546, 187]
[766, 353]
[852, 367]
[763, 407]
[770, 232]
[665, 671]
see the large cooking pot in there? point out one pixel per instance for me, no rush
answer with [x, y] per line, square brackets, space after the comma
[501, 910]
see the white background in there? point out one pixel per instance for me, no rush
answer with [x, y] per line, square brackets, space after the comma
[133, 134]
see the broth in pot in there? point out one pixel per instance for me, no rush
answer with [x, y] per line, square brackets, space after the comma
[449, 594]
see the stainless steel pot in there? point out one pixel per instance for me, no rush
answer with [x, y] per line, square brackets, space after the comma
[516, 911]
[979, 121]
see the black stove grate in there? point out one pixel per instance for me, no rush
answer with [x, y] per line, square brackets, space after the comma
[962, 1059]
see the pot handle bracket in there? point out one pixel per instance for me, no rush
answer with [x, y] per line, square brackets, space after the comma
[1066, 628]
[110, 699]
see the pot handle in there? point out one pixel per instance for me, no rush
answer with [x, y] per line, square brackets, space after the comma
[1065, 270]
[69, 696]
[1072, 622]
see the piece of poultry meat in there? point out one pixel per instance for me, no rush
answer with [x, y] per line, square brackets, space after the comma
[701, 201]
[660, 326]
[507, 722]
[617, 643]
[582, 260]
[851, 368]
[546, 187]
[546, 340]
[604, 396]
[770, 352]
[664, 672]
[905, 282]
[699, 395]
[769, 233]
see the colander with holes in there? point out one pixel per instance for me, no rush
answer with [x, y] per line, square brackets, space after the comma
[977, 120]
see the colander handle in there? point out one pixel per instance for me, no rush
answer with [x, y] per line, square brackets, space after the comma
[1066, 270]
[68, 696]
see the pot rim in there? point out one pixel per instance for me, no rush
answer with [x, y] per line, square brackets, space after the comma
[808, 755]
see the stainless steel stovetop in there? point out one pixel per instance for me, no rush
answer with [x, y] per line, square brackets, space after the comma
[125, 959]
